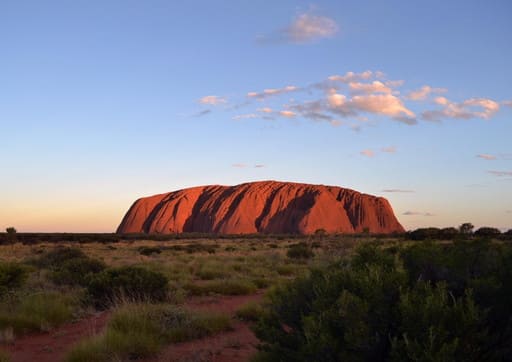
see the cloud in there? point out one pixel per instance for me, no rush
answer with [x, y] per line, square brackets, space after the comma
[501, 173]
[367, 153]
[245, 116]
[265, 110]
[259, 166]
[417, 213]
[424, 92]
[287, 114]
[486, 156]
[374, 87]
[308, 27]
[390, 149]
[212, 100]
[379, 104]
[398, 191]
[202, 113]
[272, 92]
[351, 77]
[483, 108]
[507, 103]
[239, 165]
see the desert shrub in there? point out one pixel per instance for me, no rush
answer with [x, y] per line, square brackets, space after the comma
[12, 276]
[427, 302]
[36, 312]
[130, 282]
[58, 256]
[140, 330]
[198, 248]
[76, 271]
[300, 251]
[148, 250]
[230, 248]
[486, 231]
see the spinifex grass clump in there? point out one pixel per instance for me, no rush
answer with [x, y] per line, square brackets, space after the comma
[12, 276]
[140, 330]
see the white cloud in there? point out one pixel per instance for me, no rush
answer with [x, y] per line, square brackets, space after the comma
[259, 166]
[423, 93]
[212, 100]
[486, 156]
[483, 108]
[367, 153]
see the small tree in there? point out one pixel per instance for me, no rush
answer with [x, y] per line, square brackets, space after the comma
[466, 228]
[11, 234]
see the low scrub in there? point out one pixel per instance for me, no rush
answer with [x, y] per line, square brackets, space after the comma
[149, 250]
[140, 330]
[223, 287]
[250, 311]
[132, 283]
[36, 312]
[300, 251]
[77, 271]
[12, 276]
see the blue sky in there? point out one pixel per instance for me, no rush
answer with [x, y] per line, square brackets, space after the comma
[102, 102]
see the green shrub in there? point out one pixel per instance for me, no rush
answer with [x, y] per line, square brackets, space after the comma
[12, 276]
[76, 271]
[140, 330]
[130, 282]
[58, 256]
[250, 311]
[300, 251]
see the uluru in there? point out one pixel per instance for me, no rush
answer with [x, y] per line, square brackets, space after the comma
[261, 207]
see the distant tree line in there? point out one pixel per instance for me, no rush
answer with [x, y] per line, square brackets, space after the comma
[464, 231]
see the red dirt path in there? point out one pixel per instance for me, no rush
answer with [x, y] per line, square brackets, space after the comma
[53, 346]
[236, 345]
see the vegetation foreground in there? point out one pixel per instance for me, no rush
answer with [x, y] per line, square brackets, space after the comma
[328, 298]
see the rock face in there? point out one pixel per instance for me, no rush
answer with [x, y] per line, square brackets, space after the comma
[261, 207]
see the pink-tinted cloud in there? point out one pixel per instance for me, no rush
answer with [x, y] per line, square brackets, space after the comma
[272, 92]
[245, 116]
[212, 100]
[352, 77]
[287, 114]
[308, 27]
[367, 153]
[390, 149]
[486, 156]
[239, 165]
[501, 173]
[470, 108]
[374, 87]
[423, 93]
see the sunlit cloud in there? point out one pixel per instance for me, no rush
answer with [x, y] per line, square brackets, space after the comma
[367, 153]
[417, 213]
[265, 110]
[423, 93]
[212, 100]
[351, 77]
[272, 92]
[287, 114]
[483, 108]
[398, 191]
[304, 28]
[486, 156]
[374, 87]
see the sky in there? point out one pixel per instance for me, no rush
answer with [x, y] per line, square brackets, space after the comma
[103, 102]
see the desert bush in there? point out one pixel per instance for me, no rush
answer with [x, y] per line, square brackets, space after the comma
[76, 271]
[487, 232]
[427, 302]
[12, 276]
[140, 330]
[58, 256]
[148, 250]
[300, 251]
[130, 282]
